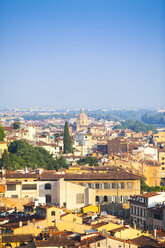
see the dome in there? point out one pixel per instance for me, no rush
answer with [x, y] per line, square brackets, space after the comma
[83, 116]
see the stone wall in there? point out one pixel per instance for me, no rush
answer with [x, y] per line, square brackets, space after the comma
[15, 202]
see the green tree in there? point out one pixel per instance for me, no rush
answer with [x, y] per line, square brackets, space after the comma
[5, 162]
[62, 163]
[2, 133]
[92, 161]
[22, 154]
[145, 188]
[49, 166]
[135, 126]
[16, 125]
[67, 140]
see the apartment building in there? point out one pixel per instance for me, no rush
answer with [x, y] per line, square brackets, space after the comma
[139, 205]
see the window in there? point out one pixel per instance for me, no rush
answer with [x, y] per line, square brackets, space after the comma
[98, 244]
[11, 187]
[53, 213]
[122, 185]
[29, 186]
[79, 198]
[114, 185]
[106, 185]
[48, 186]
[48, 198]
[154, 173]
[97, 198]
[8, 245]
[14, 196]
[23, 244]
[130, 185]
[162, 168]
[105, 199]
[162, 163]
[97, 185]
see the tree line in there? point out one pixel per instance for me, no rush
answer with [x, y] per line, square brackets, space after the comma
[21, 154]
[136, 126]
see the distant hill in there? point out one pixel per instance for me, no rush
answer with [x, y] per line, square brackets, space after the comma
[152, 118]
[136, 126]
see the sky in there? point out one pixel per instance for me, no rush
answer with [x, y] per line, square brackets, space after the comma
[82, 53]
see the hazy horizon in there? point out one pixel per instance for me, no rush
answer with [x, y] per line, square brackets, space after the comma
[72, 54]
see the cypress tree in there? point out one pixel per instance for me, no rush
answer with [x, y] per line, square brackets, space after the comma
[67, 140]
[2, 133]
[5, 163]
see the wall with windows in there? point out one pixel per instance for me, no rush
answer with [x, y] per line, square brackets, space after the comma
[113, 191]
[162, 162]
[74, 196]
[22, 189]
[47, 191]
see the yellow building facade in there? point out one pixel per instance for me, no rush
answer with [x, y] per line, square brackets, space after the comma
[3, 146]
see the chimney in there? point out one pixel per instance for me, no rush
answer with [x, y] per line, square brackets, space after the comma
[36, 202]
[155, 233]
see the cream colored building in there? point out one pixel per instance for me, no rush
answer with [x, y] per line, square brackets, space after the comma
[3, 146]
[162, 162]
[159, 138]
[74, 191]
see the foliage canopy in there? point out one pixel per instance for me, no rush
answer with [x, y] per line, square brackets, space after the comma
[92, 161]
[145, 188]
[16, 125]
[21, 155]
[136, 126]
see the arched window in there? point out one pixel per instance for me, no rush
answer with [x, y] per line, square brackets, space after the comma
[48, 198]
[8, 245]
[105, 199]
[97, 198]
[53, 213]
[48, 186]
[23, 244]
[154, 173]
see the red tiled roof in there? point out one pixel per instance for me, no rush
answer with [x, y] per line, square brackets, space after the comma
[112, 175]
[17, 238]
[21, 175]
[148, 194]
[148, 242]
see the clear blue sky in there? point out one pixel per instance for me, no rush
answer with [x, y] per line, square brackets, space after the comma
[73, 53]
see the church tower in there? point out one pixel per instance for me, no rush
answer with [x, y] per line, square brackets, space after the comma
[82, 122]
